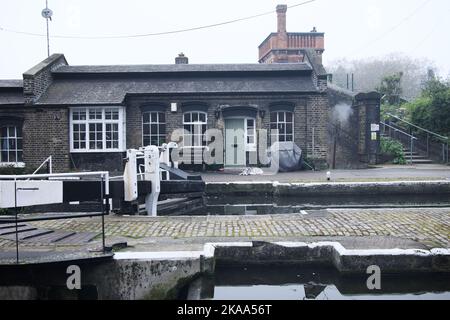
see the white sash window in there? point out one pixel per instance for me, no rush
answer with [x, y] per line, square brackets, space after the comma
[10, 145]
[153, 128]
[283, 121]
[97, 129]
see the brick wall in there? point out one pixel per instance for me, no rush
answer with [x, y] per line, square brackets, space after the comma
[45, 133]
[369, 113]
[37, 79]
[46, 129]
[317, 118]
[343, 139]
[310, 111]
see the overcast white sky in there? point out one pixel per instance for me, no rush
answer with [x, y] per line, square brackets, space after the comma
[353, 29]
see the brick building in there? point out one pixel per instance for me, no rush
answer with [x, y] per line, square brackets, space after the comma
[85, 117]
[287, 47]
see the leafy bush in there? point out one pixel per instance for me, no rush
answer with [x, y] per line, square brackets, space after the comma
[396, 110]
[432, 109]
[394, 148]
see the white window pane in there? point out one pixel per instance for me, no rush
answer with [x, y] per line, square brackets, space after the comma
[95, 114]
[10, 144]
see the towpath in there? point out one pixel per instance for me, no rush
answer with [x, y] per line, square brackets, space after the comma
[378, 173]
[400, 227]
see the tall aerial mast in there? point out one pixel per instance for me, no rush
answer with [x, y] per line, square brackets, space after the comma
[47, 14]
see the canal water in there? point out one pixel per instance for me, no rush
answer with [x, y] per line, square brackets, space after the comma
[318, 283]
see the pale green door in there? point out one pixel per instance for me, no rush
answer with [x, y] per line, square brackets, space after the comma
[234, 142]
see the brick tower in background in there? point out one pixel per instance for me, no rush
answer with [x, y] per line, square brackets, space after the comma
[284, 47]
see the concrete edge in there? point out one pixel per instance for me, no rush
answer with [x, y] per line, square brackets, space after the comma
[345, 260]
[330, 188]
[209, 251]
[276, 183]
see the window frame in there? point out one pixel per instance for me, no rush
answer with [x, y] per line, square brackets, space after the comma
[103, 121]
[250, 146]
[203, 142]
[158, 123]
[283, 122]
[16, 138]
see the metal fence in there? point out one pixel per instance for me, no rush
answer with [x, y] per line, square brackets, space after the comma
[429, 143]
[103, 198]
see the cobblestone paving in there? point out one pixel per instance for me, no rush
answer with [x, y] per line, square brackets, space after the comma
[429, 226]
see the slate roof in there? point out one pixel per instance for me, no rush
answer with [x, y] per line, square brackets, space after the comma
[182, 68]
[343, 91]
[84, 85]
[11, 83]
[11, 92]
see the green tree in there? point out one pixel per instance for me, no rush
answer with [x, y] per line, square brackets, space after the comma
[391, 88]
[432, 109]
[369, 72]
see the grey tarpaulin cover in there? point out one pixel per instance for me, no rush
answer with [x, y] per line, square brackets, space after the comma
[289, 155]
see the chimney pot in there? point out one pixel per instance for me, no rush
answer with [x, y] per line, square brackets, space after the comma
[281, 18]
[181, 59]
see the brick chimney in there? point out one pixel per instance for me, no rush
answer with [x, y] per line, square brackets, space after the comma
[281, 18]
[181, 59]
[288, 47]
[282, 36]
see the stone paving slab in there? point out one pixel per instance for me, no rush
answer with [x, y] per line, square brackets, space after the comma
[427, 226]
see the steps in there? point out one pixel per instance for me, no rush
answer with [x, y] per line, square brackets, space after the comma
[416, 157]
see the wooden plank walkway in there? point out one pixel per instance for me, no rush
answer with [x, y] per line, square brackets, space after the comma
[30, 234]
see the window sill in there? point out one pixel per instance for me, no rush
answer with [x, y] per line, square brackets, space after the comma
[12, 164]
[97, 151]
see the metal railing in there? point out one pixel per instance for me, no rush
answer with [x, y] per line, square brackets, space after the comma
[344, 138]
[50, 165]
[427, 143]
[104, 201]
[401, 135]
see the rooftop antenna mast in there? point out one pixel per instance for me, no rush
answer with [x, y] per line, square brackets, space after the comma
[47, 14]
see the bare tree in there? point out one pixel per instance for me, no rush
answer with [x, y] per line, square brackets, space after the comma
[369, 73]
